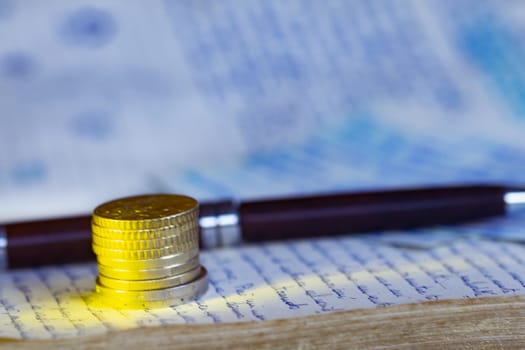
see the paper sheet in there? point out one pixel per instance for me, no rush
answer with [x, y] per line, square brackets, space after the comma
[220, 100]
[278, 280]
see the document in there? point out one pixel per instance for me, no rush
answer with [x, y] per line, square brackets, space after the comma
[271, 281]
[221, 100]
[254, 99]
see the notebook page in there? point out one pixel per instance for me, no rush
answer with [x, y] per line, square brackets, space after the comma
[270, 281]
[450, 115]
[174, 95]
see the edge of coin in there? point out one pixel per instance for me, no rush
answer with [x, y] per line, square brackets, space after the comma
[173, 259]
[176, 219]
[142, 244]
[152, 233]
[149, 284]
[143, 254]
[146, 274]
[181, 294]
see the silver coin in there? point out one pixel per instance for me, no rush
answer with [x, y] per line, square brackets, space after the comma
[148, 274]
[155, 298]
[151, 284]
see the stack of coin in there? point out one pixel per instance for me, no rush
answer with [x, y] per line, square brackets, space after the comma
[147, 249]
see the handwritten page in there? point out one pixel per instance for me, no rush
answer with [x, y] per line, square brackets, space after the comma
[221, 100]
[253, 99]
[270, 281]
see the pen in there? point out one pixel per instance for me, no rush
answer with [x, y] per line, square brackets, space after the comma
[227, 223]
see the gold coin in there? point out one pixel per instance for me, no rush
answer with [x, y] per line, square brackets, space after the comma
[146, 212]
[141, 244]
[150, 284]
[144, 253]
[147, 274]
[162, 232]
[168, 260]
[161, 297]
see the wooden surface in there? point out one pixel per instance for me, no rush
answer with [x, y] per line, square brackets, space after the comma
[481, 323]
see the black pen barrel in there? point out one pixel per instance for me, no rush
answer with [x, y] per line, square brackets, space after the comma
[58, 241]
[49, 242]
[277, 219]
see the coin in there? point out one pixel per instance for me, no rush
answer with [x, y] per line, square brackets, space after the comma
[146, 212]
[150, 284]
[162, 232]
[142, 244]
[141, 254]
[161, 297]
[168, 260]
[147, 249]
[146, 274]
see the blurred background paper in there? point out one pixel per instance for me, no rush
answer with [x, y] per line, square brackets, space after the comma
[100, 99]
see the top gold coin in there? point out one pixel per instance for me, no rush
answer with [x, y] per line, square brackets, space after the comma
[146, 212]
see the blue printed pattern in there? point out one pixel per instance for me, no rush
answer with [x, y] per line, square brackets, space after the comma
[334, 160]
[18, 65]
[493, 45]
[500, 55]
[89, 27]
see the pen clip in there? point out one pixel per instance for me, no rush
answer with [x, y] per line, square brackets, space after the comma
[219, 224]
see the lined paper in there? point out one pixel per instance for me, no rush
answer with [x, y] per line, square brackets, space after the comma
[260, 91]
[270, 281]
